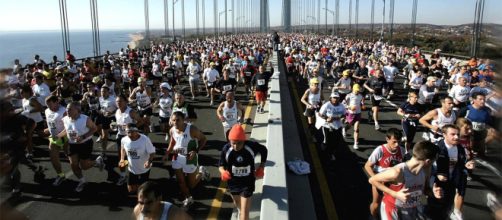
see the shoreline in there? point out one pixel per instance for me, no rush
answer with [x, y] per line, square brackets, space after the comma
[136, 38]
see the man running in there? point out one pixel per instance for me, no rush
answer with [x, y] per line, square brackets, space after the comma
[142, 95]
[211, 76]
[151, 206]
[55, 113]
[124, 116]
[410, 113]
[260, 85]
[184, 107]
[438, 118]
[237, 167]
[79, 129]
[165, 104]
[405, 184]
[185, 142]
[383, 157]
[105, 117]
[228, 113]
[353, 101]
[376, 85]
[139, 151]
[331, 114]
[482, 121]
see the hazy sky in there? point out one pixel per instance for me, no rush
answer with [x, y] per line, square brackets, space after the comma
[28, 15]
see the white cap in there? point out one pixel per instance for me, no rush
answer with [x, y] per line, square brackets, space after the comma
[165, 85]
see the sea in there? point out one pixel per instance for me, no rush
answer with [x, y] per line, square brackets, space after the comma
[24, 45]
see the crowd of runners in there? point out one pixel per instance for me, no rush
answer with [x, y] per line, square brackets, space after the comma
[123, 97]
[456, 104]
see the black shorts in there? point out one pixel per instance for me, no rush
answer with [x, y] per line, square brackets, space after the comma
[83, 150]
[374, 102]
[242, 190]
[163, 120]
[147, 112]
[104, 121]
[40, 126]
[138, 179]
[247, 79]
[309, 112]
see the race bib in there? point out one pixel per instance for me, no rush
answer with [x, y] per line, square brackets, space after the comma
[227, 87]
[149, 82]
[133, 154]
[247, 73]
[377, 97]
[170, 75]
[93, 106]
[414, 200]
[72, 134]
[52, 125]
[181, 150]
[121, 128]
[229, 116]
[209, 83]
[232, 75]
[241, 171]
[260, 82]
[478, 126]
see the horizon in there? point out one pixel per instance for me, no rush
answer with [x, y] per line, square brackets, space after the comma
[429, 12]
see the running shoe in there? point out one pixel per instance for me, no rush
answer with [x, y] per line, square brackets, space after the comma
[377, 127]
[167, 137]
[456, 215]
[258, 109]
[29, 158]
[80, 186]
[355, 146]
[492, 202]
[99, 140]
[211, 103]
[59, 179]
[100, 163]
[121, 181]
[187, 202]
[205, 174]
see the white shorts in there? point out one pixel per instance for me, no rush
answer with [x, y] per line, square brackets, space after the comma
[181, 163]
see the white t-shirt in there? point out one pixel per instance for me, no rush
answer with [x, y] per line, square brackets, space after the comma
[138, 152]
[41, 92]
[453, 155]
[330, 110]
[460, 93]
[211, 76]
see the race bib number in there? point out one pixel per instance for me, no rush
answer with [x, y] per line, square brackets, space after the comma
[260, 82]
[133, 154]
[181, 151]
[241, 171]
[478, 126]
[247, 73]
[52, 125]
[72, 135]
[169, 75]
[229, 116]
[227, 87]
[209, 83]
[414, 200]
[232, 75]
[149, 82]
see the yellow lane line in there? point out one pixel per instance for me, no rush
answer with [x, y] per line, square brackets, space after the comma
[222, 188]
[329, 205]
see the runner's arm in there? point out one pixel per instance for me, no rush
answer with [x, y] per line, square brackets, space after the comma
[197, 134]
[390, 175]
[428, 117]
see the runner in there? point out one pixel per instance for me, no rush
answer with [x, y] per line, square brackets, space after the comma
[33, 110]
[343, 85]
[142, 96]
[460, 94]
[226, 84]
[185, 143]
[151, 206]
[228, 113]
[450, 175]
[390, 71]
[55, 113]
[124, 116]
[247, 72]
[438, 118]
[259, 83]
[331, 114]
[192, 71]
[383, 157]
[481, 119]
[376, 86]
[237, 167]
[312, 98]
[184, 107]
[405, 184]
[136, 153]
[426, 94]
[79, 129]
[165, 102]
[353, 116]
[211, 76]
[409, 111]
[105, 117]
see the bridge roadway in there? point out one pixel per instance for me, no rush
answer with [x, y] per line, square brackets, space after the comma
[345, 182]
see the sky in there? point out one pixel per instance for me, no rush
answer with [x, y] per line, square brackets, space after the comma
[36, 15]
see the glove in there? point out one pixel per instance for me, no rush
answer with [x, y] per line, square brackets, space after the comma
[260, 172]
[225, 175]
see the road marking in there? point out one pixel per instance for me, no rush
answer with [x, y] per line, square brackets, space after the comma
[488, 165]
[222, 188]
[329, 205]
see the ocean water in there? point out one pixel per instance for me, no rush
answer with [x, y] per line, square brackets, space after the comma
[24, 45]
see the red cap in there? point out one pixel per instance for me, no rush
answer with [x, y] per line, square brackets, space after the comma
[237, 133]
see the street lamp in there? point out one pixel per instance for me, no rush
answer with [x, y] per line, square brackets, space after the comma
[174, 32]
[332, 13]
[219, 19]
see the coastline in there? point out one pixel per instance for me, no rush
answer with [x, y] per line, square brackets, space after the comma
[136, 38]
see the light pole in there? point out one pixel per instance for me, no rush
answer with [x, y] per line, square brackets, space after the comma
[174, 32]
[383, 21]
[219, 20]
[332, 13]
